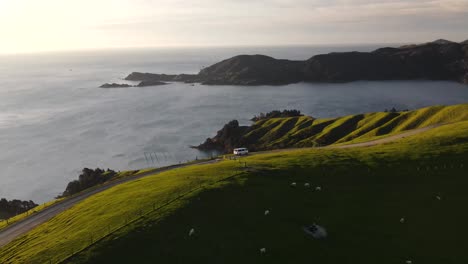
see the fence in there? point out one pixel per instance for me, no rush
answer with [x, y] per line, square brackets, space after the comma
[131, 217]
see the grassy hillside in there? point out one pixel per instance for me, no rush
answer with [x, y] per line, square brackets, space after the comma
[365, 193]
[308, 132]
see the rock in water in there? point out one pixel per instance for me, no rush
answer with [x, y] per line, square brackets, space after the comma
[115, 85]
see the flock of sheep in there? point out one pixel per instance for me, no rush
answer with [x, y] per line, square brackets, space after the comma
[317, 231]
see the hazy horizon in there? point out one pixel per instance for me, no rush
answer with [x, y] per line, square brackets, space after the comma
[30, 26]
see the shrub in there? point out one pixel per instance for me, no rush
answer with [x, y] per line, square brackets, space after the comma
[88, 178]
[276, 114]
[14, 207]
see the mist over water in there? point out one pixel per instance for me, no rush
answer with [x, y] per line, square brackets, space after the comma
[54, 121]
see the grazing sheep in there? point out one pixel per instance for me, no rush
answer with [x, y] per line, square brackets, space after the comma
[293, 184]
[438, 197]
[318, 188]
[307, 185]
[267, 212]
[262, 250]
[402, 220]
[192, 231]
[409, 262]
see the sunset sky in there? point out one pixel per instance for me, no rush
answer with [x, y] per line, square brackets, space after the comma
[48, 25]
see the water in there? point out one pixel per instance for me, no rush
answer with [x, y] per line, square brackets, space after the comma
[54, 120]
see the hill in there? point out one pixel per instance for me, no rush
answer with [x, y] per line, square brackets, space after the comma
[437, 60]
[365, 193]
[306, 131]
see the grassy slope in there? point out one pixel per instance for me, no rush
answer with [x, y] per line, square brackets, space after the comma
[41, 207]
[365, 193]
[307, 132]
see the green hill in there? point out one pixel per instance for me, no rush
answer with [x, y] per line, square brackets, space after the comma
[306, 131]
[365, 192]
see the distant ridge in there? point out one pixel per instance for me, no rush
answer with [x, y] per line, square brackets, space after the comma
[437, 60]
[442, 42]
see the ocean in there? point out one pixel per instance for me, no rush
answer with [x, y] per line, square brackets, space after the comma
[54, 120]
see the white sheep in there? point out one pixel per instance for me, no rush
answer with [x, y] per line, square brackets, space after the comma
[267, 212]
[402, 220]
[262, 250]
[318, 188]
[192, 231]
[438, 197]
[307, 185]
[293, 184]
[409, 262]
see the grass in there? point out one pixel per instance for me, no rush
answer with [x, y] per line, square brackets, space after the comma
[308, 132]
[14, 219]
[365, 193]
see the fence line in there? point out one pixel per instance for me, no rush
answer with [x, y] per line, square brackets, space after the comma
[140, 213]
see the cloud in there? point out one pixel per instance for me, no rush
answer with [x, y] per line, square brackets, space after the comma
[58, 24]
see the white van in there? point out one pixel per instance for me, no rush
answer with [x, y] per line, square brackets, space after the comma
[241, 151]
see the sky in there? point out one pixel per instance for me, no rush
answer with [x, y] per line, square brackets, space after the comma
[56, 25]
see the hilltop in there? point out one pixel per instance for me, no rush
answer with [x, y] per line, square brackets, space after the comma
[437, 60]
[397, 196]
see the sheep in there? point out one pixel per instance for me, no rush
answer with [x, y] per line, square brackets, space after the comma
[318, 188]
[307, 185]
[192, 232]
[438, 197]
[267, 212]
[402, 220]
[409, 262]
[262, 250]
[293, 184]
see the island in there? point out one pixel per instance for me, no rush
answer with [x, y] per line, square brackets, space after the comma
[115, 85]
[437, 60]
[125, 85]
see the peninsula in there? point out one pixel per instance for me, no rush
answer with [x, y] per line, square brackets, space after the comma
[437, 60]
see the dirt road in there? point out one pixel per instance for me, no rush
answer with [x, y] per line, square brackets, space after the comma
[23, 226]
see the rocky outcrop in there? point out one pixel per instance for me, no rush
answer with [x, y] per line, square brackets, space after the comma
[437, 60]
[141, 84]
[226, 139]
[153, 77]
[115, 85]
[150, 83]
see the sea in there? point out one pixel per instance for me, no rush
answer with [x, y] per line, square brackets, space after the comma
[55, 121]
